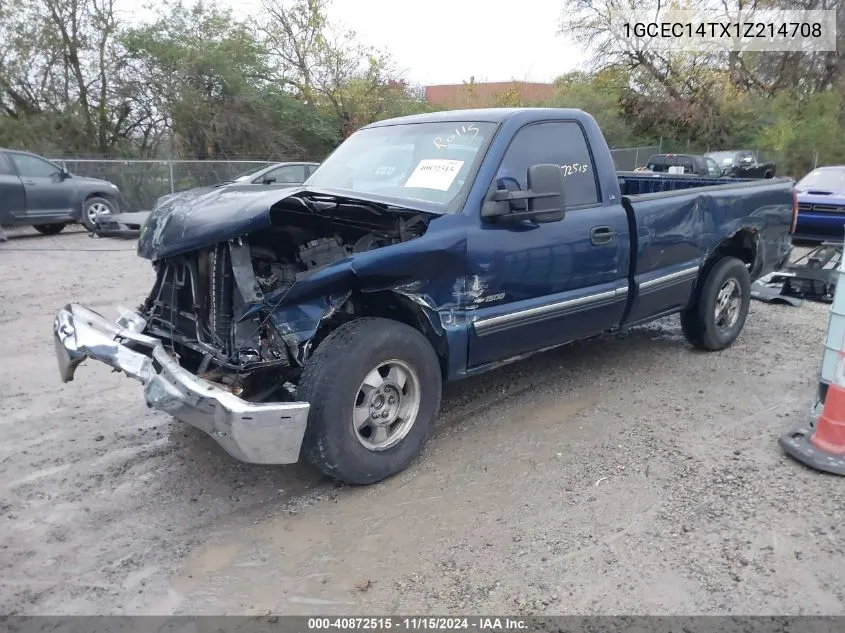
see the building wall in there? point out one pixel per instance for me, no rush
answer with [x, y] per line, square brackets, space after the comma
[458, 95]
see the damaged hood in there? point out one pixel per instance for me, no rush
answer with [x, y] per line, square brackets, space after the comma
[188, 194]
[187, 223]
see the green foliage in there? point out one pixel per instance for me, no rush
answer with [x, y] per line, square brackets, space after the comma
[788, 105]
[600, 94]
[194, 82]
[208, 75]
[804, 131]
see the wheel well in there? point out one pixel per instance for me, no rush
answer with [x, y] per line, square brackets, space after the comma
[387, 305]
[99, 194]
[743, 245]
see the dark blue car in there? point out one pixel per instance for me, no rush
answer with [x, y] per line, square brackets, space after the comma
[821, 204]
[321, 320]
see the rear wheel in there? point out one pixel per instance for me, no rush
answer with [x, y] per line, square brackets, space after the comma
[720, 307]
[93, 207]
[374, 386]
[50, 229]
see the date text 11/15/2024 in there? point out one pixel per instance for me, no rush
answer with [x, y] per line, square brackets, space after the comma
[423, 623]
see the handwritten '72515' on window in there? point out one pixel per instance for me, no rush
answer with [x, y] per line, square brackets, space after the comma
[574, 168]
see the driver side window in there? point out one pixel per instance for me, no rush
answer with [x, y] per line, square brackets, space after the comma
[560, 143]
[33, 167]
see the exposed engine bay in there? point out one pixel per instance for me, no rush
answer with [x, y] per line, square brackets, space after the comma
[217, 309]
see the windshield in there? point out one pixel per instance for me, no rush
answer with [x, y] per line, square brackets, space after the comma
[824, 180]
[431, 162]
[246, 175]
[723, 158]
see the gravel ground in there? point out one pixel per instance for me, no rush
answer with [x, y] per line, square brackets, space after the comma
[628, 474]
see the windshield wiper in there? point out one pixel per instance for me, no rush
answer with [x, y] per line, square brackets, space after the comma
[376, 208]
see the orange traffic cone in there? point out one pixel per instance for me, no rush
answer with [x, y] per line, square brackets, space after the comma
[823, 446]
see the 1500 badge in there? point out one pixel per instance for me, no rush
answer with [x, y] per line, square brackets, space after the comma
[490, 298]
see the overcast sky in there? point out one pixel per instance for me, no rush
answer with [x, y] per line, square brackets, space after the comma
[447, 41]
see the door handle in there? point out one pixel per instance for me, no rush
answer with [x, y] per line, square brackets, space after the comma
[29, 182]
[601, 235]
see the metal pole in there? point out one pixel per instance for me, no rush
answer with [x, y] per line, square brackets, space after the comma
[637, 158]
[172, 188]
[660, 148]
[816, 159]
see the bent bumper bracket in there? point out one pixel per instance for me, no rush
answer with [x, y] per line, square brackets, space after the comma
[258, 433]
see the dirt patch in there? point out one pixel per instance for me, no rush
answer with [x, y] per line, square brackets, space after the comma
[628, 474]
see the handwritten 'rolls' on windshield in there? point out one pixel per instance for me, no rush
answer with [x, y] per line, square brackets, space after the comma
[463, 132]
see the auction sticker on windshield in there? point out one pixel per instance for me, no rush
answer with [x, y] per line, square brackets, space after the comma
[434, 173]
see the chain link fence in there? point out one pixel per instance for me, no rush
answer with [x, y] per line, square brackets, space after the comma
[629, 158]
[142, 181]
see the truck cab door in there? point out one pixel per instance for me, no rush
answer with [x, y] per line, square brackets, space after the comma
[12, 195]
[539, 285]
[48, 193]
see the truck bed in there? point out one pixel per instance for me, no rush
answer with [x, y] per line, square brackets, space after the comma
[633, 183]
[680, 219]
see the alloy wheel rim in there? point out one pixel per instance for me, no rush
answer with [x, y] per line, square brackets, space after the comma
[728, 304]
[386, 405]
[96, 209]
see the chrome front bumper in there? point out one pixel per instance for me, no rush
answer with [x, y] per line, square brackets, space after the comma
[256, 433]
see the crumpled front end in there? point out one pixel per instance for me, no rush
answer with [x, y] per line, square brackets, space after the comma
[260, 433]
[224, 335]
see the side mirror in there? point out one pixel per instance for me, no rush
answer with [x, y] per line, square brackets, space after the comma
[268, 181]
[542, 202]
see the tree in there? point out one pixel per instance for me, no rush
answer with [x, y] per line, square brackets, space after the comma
[600, 93]
[61, 67]
[211, 77]
[683, 74]
[701, 100]
[800, 132]
[329, 69]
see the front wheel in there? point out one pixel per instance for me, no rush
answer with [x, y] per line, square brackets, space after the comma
[374, 386]
[720, 307]
[94, 207]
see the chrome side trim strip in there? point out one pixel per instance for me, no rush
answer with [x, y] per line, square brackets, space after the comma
[668, 279]
[538, 313]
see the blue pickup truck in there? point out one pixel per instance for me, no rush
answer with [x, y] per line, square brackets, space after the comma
[322, 319]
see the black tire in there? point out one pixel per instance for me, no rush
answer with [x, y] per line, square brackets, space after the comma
[699, 322]
[50, 229]
[86, 220]
[768, 174]
[331, 382]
